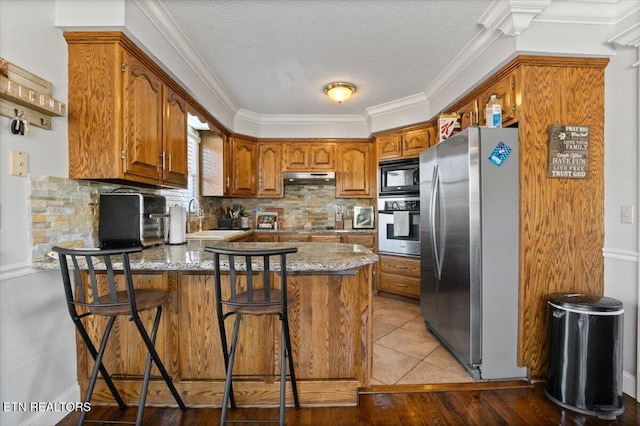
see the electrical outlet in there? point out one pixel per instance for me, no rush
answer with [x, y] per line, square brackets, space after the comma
[626, 214]
[19, 163]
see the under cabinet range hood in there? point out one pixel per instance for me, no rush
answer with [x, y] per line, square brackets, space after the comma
[309, 178]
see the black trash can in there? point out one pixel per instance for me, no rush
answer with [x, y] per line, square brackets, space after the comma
[585, 354]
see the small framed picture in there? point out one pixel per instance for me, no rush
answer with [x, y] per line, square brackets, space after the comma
[267, 220]
[363, 217]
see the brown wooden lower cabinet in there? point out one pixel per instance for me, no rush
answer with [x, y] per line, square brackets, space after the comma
[399, 275]
[330, 327]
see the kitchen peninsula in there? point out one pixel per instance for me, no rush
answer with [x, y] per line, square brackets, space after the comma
[330, 324]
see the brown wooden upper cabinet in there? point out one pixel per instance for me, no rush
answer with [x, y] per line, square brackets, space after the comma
[309, 156]
[215, 178]
[126, 121]
[407, 144]
[355, 177]
[244, 166]
[175, 145]
[270, 184]
[506, 93]
[473, 112]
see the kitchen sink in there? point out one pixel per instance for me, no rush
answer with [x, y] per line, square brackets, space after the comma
[216, 234]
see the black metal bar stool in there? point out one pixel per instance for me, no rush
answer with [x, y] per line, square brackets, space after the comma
[110, 302]
[251, 299]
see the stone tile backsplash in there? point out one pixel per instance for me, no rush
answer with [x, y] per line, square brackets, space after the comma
[65, 211]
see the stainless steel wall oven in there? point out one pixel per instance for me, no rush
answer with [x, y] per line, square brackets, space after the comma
[399, 226]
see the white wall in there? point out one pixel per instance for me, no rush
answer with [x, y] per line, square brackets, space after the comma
[37, 355]
[621, 188]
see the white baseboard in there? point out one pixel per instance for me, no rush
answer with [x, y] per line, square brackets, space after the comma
[52, 417]
[629, 385]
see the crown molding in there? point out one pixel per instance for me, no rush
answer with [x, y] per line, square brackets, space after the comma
[163, 22]
[591, 12]
[503, 18]
[398, 105]
[512, 17]
[628, 29]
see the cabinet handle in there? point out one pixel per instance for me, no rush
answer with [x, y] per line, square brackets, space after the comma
[162, 160]
[401, 285]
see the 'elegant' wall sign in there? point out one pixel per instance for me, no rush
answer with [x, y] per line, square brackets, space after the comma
[568, 151]
[27, 97]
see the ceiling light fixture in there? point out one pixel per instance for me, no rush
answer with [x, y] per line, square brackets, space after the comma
[339, 91]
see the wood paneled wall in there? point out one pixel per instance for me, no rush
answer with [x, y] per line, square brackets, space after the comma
[562, 224]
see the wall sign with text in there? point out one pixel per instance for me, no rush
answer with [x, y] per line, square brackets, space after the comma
[568, 151]
[27, 98]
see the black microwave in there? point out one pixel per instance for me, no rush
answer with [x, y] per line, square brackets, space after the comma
[400, 177]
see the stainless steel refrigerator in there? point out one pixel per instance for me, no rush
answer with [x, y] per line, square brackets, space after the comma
[469, 249]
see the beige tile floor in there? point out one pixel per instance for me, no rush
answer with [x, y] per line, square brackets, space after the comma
[404, 352]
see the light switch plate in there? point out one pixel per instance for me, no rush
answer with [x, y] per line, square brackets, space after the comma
[626, 214]
[19, 163]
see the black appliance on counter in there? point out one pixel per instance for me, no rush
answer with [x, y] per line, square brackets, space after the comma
[130, 219]
[399, 177]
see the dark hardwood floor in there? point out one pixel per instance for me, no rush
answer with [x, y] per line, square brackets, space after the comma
[472, 404]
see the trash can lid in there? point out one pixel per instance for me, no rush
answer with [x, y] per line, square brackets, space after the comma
[585, 302]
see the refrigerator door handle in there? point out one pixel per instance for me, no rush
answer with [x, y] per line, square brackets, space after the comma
[432, 208]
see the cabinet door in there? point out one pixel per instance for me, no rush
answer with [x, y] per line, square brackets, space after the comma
[400, 275]
[213, 180]
[432, 135]
[355, 177]
[505, 91]
[366, 240]
[322, 156]
[389, 146]
[270, 170]
[296, 157]
[175, 168]
[142, 120]
[469, 114]
[260, 237]
[414, 142]
[243, 168]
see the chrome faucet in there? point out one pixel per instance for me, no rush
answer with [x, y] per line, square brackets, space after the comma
[189, 214]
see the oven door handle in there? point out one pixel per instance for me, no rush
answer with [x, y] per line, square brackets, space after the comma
[435, 185]
[158, 215]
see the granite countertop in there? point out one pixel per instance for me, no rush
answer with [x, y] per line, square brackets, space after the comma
[315, 231]
[311, 257]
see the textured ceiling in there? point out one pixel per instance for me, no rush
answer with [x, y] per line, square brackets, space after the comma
[275, 57]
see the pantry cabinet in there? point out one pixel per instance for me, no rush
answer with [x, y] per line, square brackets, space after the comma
[270, 183]
[127, 122]
[355, 177]
[536, 92]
